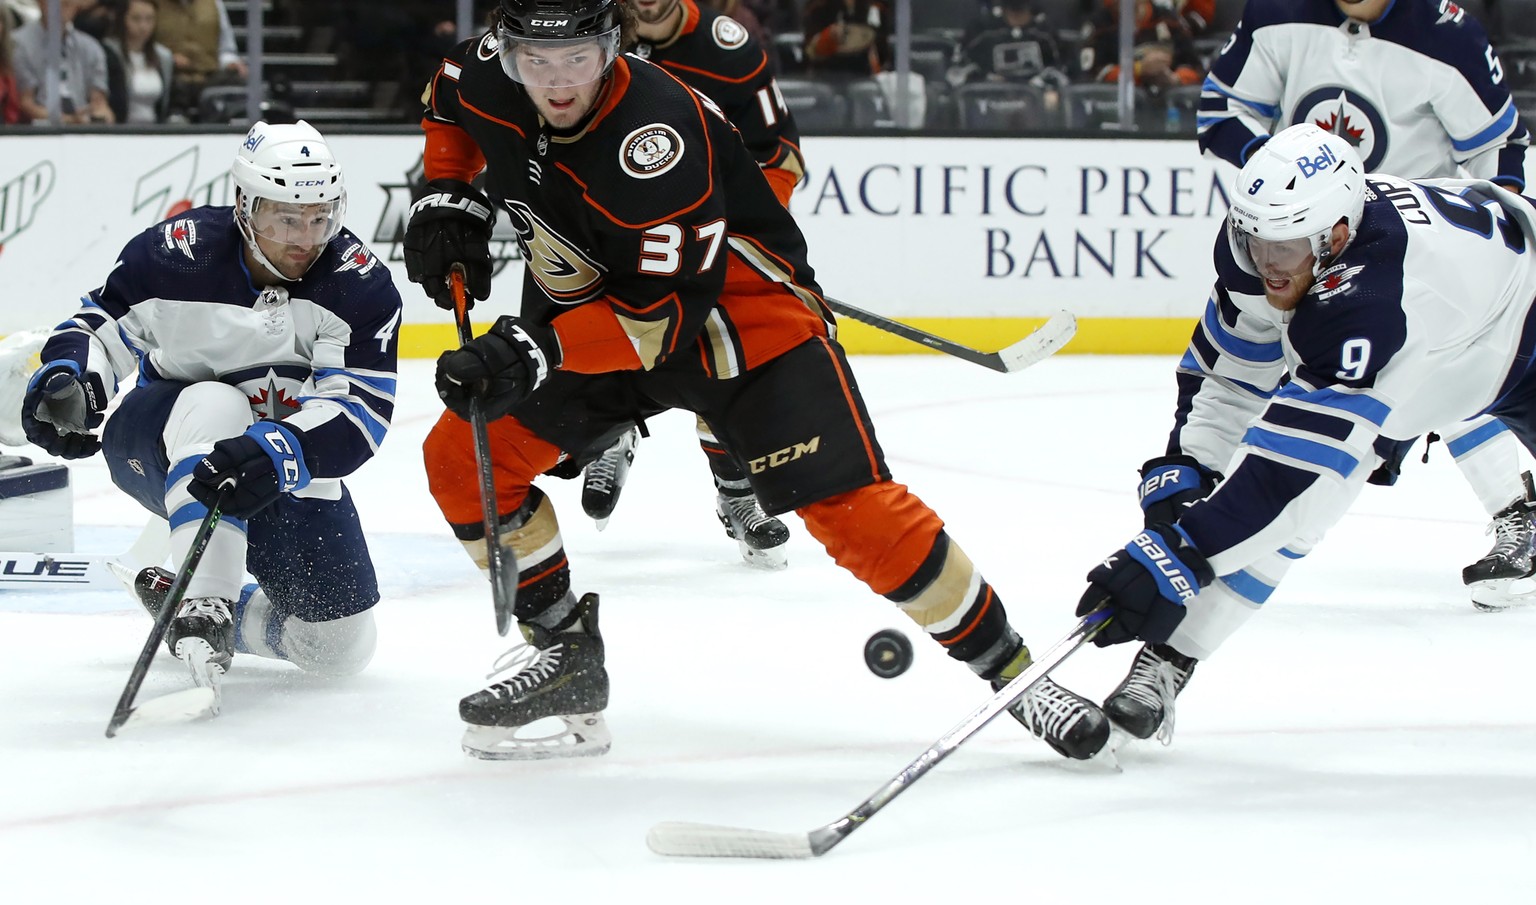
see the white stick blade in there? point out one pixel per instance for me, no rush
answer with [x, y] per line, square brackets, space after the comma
[1041, 344]
[177, 707]
[702, 840]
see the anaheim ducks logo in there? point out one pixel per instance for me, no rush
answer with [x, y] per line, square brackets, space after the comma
[489, 47]
[650, 151]
[565, 274]
[728, 33]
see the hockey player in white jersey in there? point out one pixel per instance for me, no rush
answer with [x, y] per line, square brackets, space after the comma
[256, 343]
[1414, 85]
[1394, 306]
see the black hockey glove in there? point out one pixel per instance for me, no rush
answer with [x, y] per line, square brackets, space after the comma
[500, 368]
[1146, 583]
[61, 408]
[265, 462]
[1170, 485]
[449, 225]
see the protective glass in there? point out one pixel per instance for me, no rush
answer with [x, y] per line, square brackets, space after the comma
[1282, 257]
[298, 224]
[557, 63]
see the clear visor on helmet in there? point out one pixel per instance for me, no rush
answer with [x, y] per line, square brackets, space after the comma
[557, 62]
[292, 223]
[1277, 257]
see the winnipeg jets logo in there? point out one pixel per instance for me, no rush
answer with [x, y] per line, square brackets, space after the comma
[565, 274]
[1450, 12]
[1335, 280]
[1349, 115]
[272, 402]
[181, 235]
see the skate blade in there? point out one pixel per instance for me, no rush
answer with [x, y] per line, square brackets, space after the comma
[770, 560]
[602, 523]
[1502, 593]
[185, 706]
[581, 735]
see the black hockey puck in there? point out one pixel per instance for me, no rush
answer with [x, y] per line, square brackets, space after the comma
[888, 653]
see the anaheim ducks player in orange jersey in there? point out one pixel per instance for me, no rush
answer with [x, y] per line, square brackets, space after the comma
[714, 55]
[662, 273]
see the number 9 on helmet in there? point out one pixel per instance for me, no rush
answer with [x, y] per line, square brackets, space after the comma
[1288, 197]
[289, 188]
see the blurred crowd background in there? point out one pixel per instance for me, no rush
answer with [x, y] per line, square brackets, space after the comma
[994, 66]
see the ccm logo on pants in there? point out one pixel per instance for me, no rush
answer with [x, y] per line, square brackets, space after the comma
[785, 455]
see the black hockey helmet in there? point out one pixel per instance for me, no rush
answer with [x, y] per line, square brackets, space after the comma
[556, 19]
[545, 43]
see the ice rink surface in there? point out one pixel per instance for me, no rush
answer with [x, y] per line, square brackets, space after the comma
[1368, 738]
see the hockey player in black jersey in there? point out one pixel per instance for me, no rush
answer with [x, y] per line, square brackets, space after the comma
[662, 273]
[714, 55]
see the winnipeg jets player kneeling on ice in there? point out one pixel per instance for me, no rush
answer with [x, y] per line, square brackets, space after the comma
[258, 343]
[1395, 306]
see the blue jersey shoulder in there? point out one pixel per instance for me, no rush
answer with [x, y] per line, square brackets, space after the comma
[1351, 323]
[1443, 31]
[351, 281]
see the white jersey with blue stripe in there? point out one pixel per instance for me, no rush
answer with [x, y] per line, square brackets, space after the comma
[1419, 91]
[1419, 323]
[318, 354]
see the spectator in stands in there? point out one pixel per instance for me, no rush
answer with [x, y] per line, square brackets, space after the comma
[1013, 46]
[1164, 53]
[847, 39]
[202, 42]
[11, 113]
[139, 68]
[82, 74]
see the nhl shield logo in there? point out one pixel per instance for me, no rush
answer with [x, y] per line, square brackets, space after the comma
[650, 151]
[1349, 115]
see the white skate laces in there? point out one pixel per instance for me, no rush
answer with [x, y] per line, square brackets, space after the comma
[534, 666]
[1154, 682]
[214, 608]
[1048, 710]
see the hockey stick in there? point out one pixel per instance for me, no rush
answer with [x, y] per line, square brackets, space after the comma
[699, 840]
[500, 560]
[1034, 348]
[194, 701]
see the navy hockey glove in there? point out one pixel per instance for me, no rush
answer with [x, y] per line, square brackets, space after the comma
[1170, 485]
[61, 407]
[1146, 583]
[265, 462]
[500, 368]
[449, 225]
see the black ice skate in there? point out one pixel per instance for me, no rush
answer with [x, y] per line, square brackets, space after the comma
[760, 536]
[1143, 704]
[1068, 722]
[151, 585]
[1499, 579]
[603, 479]
[557, 676]
[203, 636]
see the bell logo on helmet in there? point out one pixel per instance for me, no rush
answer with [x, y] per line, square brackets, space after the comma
[1311, 166]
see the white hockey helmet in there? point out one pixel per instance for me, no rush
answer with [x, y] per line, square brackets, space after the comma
[1290, 194]
[291, 187]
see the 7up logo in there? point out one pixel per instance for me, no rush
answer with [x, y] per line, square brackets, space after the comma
[22, 197]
